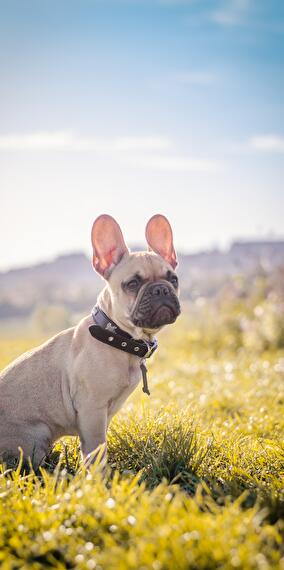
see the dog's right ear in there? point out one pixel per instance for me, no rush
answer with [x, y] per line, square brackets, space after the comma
[159, 236]
[108, 244]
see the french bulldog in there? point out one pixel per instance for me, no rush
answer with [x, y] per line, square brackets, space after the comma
[74, 383]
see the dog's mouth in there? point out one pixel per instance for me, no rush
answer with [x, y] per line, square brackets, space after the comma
[164, 314]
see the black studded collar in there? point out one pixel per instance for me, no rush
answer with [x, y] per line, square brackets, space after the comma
[106, 331]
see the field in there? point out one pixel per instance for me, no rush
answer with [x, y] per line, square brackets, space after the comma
[196, 470]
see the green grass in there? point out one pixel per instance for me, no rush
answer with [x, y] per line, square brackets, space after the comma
[195, 475]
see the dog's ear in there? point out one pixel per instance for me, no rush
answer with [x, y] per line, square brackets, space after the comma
[159, 236]
[108, 244]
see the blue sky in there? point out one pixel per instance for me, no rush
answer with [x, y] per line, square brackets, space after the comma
[135, 107]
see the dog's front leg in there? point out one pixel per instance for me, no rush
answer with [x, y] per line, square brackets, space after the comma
[92, 432]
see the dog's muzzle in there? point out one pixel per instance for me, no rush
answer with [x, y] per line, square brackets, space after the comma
[156, 305]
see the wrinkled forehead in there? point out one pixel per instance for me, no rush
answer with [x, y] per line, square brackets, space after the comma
[146, 264]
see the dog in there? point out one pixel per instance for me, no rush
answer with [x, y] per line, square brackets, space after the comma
[75, 382]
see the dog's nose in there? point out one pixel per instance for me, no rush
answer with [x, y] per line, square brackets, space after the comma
[160, 290]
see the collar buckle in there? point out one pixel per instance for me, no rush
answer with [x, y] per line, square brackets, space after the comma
[151, 348]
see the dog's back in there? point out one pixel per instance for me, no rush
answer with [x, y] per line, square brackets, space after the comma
[26, 386]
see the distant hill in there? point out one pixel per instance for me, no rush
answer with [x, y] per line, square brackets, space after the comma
[69, 280]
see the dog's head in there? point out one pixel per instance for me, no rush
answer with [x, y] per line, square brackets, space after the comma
[143, 287]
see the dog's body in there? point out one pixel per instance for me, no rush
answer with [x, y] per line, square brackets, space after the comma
[74, 384]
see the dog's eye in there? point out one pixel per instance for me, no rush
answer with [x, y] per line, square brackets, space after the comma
[174, 280]
[133, 284]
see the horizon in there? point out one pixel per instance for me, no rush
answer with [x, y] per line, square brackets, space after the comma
[134, 107]
[139, 247]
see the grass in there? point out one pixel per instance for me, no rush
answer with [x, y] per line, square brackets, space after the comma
[195, 475]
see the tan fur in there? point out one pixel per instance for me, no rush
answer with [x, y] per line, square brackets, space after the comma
[74, 384]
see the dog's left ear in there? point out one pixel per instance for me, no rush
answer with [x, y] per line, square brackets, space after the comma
[108, 244]
[159, 237]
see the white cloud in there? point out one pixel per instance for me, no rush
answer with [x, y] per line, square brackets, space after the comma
[68, 141]
[141, 143]
[267, 143]
[232, 12]
[202, 78]
[148, 153]
[176, 163]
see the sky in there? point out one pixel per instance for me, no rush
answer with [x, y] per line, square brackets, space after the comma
[137, 107]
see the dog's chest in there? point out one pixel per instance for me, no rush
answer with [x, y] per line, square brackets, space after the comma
[128, 383]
